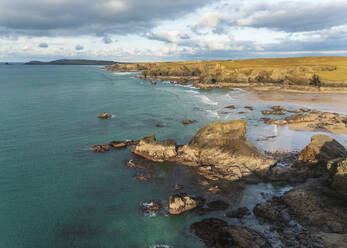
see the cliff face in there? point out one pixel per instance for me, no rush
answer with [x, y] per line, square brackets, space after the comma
[317, 72]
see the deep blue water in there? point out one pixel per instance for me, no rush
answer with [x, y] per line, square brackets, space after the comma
[55, 192]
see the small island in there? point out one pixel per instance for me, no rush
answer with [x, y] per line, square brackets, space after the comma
[72, 62]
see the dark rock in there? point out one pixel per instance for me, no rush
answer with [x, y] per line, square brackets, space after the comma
[249, 107]
[217, 233]
[230, 107]
[238, 213]
[217, 205]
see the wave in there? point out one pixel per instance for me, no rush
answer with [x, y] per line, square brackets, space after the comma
[207, 100]
[213, 113]
[118, 73]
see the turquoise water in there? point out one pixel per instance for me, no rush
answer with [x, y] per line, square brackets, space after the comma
[55, 192]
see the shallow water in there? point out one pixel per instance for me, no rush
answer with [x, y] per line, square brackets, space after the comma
[55, 192]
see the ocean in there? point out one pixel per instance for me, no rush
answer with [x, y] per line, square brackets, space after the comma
[55, 192]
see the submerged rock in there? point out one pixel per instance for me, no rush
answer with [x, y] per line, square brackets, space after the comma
[217, 233]
[181, 202]
[238, 213]
[249, 107]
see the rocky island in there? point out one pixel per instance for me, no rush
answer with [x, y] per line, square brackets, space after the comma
[72, 62]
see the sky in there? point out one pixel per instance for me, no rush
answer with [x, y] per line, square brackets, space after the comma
[170, 30]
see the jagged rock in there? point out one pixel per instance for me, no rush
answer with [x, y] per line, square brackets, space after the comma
[217, 233]
[104, 115]
[150, 149]
[181, 202]
[101, 148]
[219, 149]
[321, 149]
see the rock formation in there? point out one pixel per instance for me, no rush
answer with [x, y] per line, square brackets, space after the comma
[314, 121]
[181, 202]
[220, 150]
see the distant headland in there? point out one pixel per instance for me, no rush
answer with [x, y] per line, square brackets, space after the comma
[72, 62]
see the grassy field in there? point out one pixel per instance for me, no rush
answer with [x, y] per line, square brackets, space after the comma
[328, 69]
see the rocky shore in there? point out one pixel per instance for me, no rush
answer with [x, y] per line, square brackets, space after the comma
[295, 74]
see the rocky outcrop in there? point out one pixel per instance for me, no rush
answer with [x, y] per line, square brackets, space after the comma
[123, 144]
[181, 202]
[220, 150]
[321, 149]
[217, 233]
[313, 121]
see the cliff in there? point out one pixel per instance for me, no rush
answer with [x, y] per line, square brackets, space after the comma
[285, 72]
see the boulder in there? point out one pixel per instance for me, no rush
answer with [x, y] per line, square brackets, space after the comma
[249, 107]
[321, 149]
[217, 233]
[181, 202]
[104, 115]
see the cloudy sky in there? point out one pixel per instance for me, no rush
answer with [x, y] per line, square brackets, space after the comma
[164, 30]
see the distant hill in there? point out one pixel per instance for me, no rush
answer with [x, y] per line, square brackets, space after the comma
[72, 62]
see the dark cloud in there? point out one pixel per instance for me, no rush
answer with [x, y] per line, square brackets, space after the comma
[288, 16]
[299, 16]
[168, 37]
[63, 17]
[43, 45]
[107, 40]
[79, 48]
